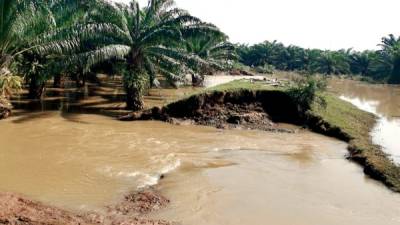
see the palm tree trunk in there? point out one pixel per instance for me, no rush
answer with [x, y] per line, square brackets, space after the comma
[395, 76]
[36, 88]
[197, 80]
[57, 81]
[134, 99]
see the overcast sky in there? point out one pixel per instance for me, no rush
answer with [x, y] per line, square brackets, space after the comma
[325, 24]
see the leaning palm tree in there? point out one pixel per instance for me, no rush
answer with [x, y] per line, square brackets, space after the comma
[148, 43]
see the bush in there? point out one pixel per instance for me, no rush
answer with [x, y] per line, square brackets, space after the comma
[305, 91]
[266, 69]
[9, 84]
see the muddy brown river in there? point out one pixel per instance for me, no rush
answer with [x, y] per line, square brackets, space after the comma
[381, 100]
[213, 177]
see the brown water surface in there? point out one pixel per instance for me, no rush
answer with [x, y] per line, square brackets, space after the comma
[213, 177]
[383, 101]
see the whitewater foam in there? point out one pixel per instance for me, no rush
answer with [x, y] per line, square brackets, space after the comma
[147, 179]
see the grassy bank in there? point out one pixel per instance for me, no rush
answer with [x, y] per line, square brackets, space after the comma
[357, 125]
[334, 117]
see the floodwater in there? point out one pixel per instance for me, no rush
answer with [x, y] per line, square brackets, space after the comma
[212, 177]
[381, 100]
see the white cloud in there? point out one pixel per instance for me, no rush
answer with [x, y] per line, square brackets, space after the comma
[326, 24]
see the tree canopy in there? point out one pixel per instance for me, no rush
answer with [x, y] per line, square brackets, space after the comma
[381, 65]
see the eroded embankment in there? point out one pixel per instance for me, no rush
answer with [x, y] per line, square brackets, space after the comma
[262, 109]
[18, 210]
[243, 109]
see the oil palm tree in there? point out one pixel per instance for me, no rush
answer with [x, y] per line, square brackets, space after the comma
[331, 63]
[31, 32]
[296, 58]
[148, 42]
[15, 20]
[213, 48]
[362, 62]
[389, 59]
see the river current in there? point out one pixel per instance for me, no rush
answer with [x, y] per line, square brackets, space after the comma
[84, 162]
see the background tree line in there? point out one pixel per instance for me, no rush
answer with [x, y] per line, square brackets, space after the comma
[380, 65]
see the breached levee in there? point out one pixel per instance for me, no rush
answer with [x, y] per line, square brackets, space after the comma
[240, 109]
[261, 107]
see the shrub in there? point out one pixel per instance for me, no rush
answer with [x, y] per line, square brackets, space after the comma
[305, 91]
[266, 69]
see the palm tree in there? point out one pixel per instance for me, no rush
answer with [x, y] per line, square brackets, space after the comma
[213, 48]
[389, 59]
[361, 62]
[296, 58]
[147, 43]
[35, 33]
[23, 24]
[15, 19]
[332, 62]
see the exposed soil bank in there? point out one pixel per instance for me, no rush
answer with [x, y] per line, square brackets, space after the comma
[261, 108]
[18, 210]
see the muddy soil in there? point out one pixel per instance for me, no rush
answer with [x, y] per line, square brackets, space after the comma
[224, 110]
[18, 210]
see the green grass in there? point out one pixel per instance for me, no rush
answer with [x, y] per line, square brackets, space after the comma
[358, 125]
[245, 84]
[236, 85]
[351, 120]
[241, 85]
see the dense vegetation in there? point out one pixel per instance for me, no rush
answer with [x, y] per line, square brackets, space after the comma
[381, 65]
[41, 40]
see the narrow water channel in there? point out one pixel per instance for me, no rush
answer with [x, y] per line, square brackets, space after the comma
[381, 100]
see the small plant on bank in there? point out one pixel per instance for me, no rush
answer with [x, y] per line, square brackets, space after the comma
[265, 69]
[9, 83]
[305, 91]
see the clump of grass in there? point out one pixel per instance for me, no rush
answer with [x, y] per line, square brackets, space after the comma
[266, 69]
[305, 91]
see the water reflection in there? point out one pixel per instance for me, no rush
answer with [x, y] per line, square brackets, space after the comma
[381, 100]
[107, 97]
[385, 99]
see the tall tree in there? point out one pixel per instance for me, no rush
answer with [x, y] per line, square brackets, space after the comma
[390, 57]
[213, 48]
[148, 42]
[33, 31]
